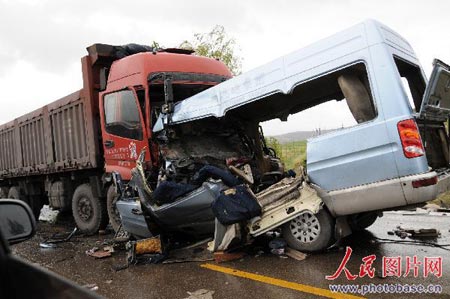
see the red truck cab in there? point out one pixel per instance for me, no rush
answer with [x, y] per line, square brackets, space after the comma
[135, 95]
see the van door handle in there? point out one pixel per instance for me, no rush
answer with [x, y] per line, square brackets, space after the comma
[108, 143]
[136, 212]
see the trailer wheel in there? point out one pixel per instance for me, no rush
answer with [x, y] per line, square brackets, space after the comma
[88, 211]
[113, 213]
[309, 232]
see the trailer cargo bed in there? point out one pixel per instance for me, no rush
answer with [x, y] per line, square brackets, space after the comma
[61, 136]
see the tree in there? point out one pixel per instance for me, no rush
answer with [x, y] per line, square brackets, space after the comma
[218, 45]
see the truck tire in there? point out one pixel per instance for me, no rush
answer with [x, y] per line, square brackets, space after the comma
[309, 232]
[34, 202]
[4, 192]
[14, 193]
[88, 211]
[113, 213]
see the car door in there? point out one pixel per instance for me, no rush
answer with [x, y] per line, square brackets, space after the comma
[123, 131]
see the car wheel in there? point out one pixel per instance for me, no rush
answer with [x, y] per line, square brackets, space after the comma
[113, 213]
[88, 211]
[362, 221]
[309, 232]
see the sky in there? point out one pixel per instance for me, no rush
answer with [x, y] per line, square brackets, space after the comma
[41, 42]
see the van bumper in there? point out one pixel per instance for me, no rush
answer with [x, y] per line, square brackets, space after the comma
[384, 195]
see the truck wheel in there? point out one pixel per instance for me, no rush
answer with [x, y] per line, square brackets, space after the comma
[14, 193]
[362, 221]
[309, 232]
[35, 203]
[4, 192]
[88, 211]
[113, 213]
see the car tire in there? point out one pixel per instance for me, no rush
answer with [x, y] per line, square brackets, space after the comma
[89, 212]
[309, 232]
[362, 221]
[113, 213]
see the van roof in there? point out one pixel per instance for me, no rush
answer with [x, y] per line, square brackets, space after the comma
[283, 74]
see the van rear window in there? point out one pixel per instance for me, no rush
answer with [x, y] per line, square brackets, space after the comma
[412, 80]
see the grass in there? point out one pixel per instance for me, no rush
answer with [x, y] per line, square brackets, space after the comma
[293, 154]
[442, 200]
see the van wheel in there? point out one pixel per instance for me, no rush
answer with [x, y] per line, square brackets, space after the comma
[309, 232]
[362, 221]
[88, 211]
[113, 213]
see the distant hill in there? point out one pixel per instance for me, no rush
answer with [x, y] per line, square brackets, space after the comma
[299, 135]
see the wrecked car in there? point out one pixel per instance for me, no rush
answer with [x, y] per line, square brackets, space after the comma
[396, 154]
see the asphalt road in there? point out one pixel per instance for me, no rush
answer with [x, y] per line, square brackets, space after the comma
[255, 275]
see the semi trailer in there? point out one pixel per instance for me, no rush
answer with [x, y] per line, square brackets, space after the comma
[64, 153]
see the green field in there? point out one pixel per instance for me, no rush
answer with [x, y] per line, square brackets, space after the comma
[293, 154]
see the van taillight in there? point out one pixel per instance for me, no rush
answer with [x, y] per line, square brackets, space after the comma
[410, 137]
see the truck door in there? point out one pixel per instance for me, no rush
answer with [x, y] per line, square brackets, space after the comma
[123, 131]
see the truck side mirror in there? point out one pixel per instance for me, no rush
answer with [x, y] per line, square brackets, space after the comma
[17, 222]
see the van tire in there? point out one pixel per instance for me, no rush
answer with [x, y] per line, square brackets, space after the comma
[309, 232]
[362, 221]
[89, 212]
[113, 213]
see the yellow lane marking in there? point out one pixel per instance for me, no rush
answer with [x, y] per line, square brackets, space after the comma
[279, 282]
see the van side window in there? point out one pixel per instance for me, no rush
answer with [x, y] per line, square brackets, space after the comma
[412, 80]
[336, 100]
[122, 115]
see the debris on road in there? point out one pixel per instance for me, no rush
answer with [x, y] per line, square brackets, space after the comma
[295, 254]
[118, 268]
[277, 246]
[193, 253]
[146, 251]
[415, 233]
[47, 245]
[56, 238]
[91, 287]
[99, 254]
[200, 294]
[222, 256]
[49, 215]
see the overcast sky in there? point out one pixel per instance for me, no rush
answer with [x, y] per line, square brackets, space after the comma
[41, 42]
